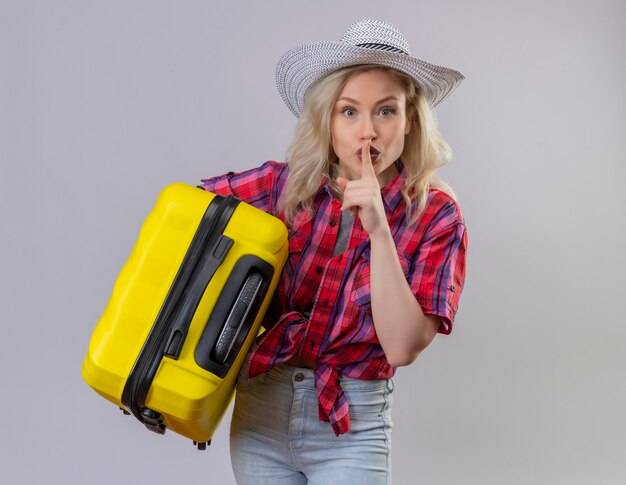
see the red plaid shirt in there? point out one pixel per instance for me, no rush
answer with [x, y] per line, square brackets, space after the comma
[339, 334]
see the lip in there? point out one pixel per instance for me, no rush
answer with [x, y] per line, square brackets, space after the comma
[374, 153]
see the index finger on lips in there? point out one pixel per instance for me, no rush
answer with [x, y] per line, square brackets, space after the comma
[367, 168]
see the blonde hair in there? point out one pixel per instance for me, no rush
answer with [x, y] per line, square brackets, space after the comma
[312, 161]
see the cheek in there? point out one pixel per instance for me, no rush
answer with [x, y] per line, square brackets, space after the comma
[335, 134]
[398, 140]
[338, 136]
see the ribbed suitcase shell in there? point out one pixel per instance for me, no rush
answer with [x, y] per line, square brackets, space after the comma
[191, 399]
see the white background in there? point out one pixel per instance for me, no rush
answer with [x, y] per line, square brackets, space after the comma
[104, 103]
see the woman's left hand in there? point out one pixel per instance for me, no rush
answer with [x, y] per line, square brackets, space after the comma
[362, 196]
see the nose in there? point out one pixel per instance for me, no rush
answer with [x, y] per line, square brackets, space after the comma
[368, 131]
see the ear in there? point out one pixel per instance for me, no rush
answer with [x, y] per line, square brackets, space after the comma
[407, 129]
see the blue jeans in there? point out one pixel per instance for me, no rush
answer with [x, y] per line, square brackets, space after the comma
[276, 436]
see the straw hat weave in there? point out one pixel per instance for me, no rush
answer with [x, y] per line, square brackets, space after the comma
[368, 41]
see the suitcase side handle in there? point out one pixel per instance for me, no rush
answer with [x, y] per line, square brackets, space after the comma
[238, 319]
[233, 315]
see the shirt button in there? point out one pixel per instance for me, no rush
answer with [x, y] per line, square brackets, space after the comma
[299, 377]
[332, 223]
[318, 270]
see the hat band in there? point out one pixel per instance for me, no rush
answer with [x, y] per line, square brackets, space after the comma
[382, 47]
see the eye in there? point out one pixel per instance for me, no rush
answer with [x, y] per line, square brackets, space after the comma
[386, 112]
[349, 112]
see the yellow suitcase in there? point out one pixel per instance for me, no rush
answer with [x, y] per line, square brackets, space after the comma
[185, 310]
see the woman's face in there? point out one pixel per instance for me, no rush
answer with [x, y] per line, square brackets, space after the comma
[371, 106]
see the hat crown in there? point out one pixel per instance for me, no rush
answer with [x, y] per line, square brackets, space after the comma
[375, 32]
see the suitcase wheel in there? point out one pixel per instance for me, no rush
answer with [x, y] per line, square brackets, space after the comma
[202, 445]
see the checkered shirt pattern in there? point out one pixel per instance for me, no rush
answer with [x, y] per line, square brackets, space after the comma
[339, 334]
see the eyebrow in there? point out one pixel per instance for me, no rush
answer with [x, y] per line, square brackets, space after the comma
[351, 100]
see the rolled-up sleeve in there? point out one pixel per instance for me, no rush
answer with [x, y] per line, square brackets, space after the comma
[438, 273]
[259, 186]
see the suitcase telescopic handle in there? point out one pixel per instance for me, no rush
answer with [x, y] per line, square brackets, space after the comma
[193, 293]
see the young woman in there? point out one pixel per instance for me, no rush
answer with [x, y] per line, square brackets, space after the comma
[376, 259]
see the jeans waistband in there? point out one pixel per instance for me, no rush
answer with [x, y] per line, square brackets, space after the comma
[303, 377]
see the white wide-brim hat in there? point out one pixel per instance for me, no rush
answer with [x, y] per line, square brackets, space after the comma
[368, 41]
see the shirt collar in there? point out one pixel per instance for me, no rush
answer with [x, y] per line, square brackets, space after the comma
[392, 192]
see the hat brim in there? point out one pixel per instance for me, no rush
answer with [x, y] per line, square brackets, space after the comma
[300, 67]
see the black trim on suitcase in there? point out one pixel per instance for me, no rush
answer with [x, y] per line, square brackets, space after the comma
[233, 315]
[206, 252]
